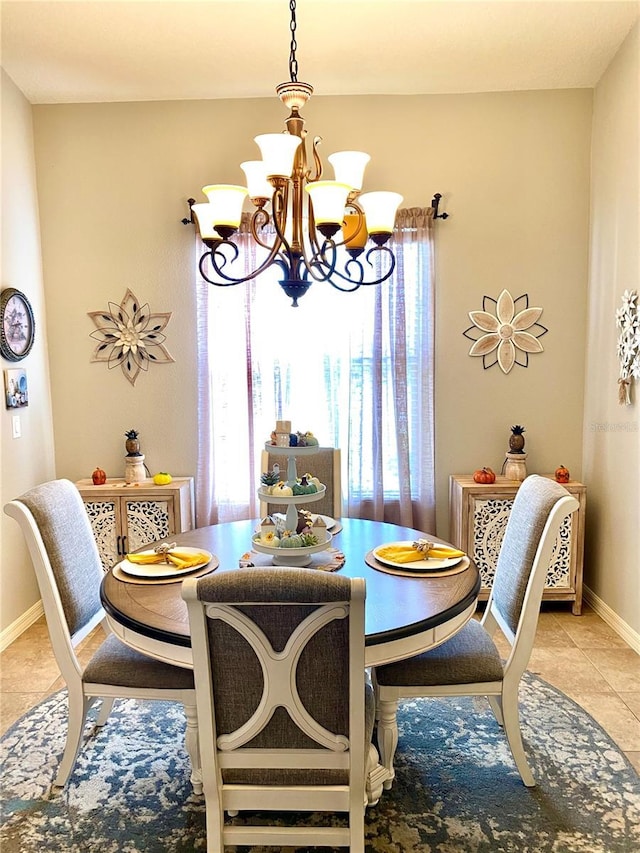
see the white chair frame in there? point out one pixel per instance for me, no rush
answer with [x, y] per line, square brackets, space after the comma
[279, 689]
[82, 696]
[502, 695]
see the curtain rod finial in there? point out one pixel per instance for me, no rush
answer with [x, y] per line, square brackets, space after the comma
[435, 202]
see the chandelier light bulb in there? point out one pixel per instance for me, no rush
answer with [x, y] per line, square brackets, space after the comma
[204, 214]
[354, 232]
[257, 183]
[380, 209]
[349, 167]
[328, 199]
[278, 151]
[226, 202]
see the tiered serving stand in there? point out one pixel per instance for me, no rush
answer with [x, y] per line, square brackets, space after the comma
[290, 556]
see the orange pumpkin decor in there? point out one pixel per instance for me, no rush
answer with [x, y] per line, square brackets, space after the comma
[99, 477]
[562, 475]
[484, 475]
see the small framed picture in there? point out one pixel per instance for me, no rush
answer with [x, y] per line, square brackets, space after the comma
[16, 393]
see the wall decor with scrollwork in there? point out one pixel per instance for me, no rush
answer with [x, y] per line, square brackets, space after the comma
[130, 336]
[628, 347]
[506, 331]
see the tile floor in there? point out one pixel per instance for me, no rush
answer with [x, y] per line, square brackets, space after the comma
[580, 655]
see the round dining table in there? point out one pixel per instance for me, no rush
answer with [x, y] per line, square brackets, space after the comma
[406, 612]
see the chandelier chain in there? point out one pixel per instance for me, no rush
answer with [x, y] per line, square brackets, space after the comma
[293, 62]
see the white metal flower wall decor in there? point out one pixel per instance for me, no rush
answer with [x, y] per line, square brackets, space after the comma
[628, 348]
[506, 331]
[130, 336]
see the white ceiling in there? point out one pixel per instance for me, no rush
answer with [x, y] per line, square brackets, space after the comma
[75, 51]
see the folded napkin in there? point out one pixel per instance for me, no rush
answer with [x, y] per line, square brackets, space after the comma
[421, 549]
[166, 554]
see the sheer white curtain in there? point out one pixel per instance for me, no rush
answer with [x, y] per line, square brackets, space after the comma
[354, 368]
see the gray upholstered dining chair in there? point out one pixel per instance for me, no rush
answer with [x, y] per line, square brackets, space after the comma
[325, 465]
[469, 664]
[65, 557]
[285, 715]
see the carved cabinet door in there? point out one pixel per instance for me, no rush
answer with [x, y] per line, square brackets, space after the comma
[104, 515]
[146, 521]
[125, 518]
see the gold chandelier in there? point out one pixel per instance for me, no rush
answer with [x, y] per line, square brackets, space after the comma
[306, 213]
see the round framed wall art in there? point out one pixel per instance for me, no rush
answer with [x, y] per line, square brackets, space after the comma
[17, 325]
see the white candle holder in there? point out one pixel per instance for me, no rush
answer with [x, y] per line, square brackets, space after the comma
[515, 467]
[134, 471]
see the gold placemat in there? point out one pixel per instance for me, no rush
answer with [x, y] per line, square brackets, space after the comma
[329, 560]
[211, 566]
[371, 561]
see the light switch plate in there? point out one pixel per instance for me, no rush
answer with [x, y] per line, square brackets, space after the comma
[16, 426]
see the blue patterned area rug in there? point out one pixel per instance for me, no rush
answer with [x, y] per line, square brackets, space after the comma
[456, 787]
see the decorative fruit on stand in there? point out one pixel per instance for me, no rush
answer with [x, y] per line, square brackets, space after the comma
[562, 474]
[270, 479]
[485, 476]
[162, 478]
[516, 439]
[281, 490]
[132, 444]
[304, 487]
[99, 477]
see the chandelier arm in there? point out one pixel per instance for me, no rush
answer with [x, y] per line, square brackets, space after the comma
[317, 160]
[358, 264]
[280, 200]
[320, 260]
[228, 279]
[255, 224]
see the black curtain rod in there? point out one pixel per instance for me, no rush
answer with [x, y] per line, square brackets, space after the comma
[435, 202]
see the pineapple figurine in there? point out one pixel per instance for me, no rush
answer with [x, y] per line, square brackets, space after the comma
[132, 444]
[270, 479]
[516, 439]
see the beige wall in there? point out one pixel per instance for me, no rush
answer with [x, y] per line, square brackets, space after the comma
[28, 460]
[514, 170]
[611, 431]
[113, 180]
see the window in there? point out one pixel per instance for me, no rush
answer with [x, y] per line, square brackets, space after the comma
[354, 368]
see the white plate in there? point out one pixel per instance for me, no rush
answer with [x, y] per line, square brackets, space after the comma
[428, 565]
[162, 570]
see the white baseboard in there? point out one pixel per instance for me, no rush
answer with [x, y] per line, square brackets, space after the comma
[612, 619]
[13, 631]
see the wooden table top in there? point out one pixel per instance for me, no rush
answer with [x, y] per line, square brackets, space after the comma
[396, 607]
